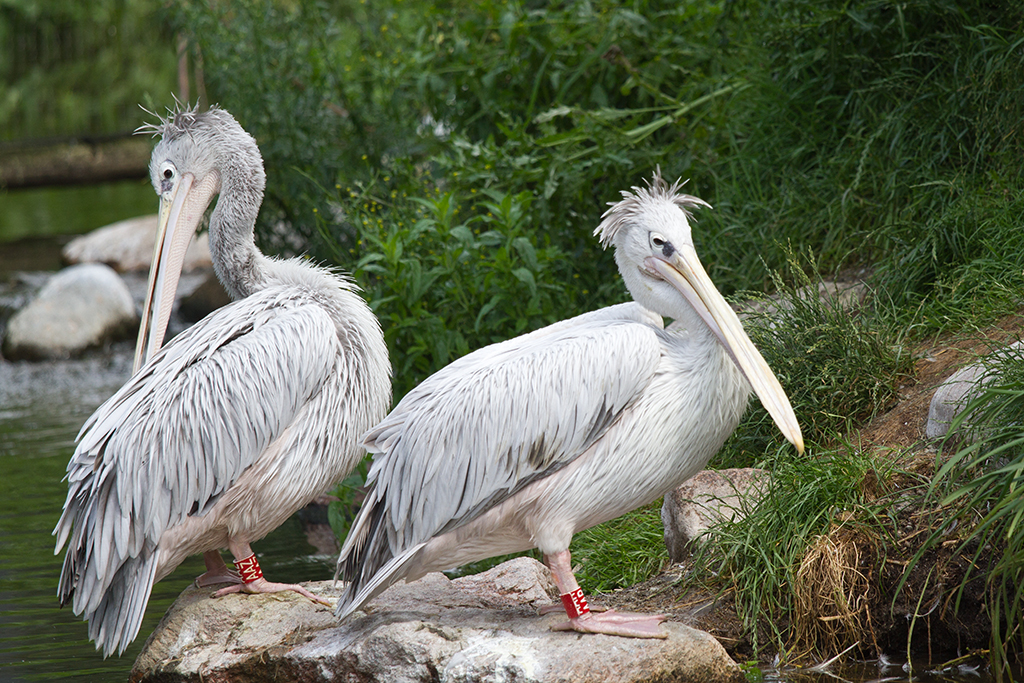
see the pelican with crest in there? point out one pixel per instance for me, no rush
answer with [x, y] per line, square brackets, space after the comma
[523, 443]
[239, 421]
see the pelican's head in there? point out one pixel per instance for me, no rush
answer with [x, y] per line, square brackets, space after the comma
[198, 153]
[650, 229]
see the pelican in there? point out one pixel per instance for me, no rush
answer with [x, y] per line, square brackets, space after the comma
[523, 443]
[237, 422]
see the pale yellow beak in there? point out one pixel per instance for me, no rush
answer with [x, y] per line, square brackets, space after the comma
[180, 214]
[686, 274]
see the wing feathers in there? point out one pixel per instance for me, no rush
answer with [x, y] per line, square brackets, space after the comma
[175, 437]
[484, 427]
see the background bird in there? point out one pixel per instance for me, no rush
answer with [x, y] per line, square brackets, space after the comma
[523, 443]
[237, 422]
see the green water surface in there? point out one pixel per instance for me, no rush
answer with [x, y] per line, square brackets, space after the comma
[50, 211]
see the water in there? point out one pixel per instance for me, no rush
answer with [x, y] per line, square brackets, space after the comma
[56, 211]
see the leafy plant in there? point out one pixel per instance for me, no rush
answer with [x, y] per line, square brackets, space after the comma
[76, 68]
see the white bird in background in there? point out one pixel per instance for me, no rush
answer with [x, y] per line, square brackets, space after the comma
[234, 425]
[523, 443]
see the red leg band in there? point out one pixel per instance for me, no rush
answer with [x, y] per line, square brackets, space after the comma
[575, 603]
[249, 569]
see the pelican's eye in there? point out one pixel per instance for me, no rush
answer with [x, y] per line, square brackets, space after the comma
[167, 176]
[663, 245]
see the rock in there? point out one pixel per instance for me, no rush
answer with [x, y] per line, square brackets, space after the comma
[204, 299]
[953, 395]
[128, 246]
[80, 307]
[846, 295]
[481, 628]
[708, 497]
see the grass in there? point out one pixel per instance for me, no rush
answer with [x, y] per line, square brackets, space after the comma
[980, 485]
[622, 552]
[758, 556]
[839, 364]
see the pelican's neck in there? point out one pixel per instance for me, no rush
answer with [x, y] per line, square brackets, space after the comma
[697, 331]
[240, 266]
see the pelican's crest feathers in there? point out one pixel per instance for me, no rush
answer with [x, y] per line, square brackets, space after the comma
[633, 203]
[178, 122]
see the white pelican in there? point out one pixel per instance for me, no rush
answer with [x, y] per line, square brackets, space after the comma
[523, 443]
[237, 422]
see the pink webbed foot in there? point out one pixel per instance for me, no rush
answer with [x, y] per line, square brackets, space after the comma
[584, 619]
[264, 586]
[614, 623]
[251, 576]
[216, 571]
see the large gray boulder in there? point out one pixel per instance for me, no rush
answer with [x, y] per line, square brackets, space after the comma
[481, 628]
[80, 307]
[128, 246]
[707, 498]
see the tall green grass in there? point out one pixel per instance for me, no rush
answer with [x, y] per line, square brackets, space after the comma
[980, 487]
[839, 364]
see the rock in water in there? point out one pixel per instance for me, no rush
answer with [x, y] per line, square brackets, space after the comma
[80, 307]
[128, 246]
[479, 628]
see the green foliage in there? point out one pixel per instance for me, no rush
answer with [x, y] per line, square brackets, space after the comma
[839, 366]
[447, 274]
[77, 68]
[758, 554]
[981, 485]
[871, 126]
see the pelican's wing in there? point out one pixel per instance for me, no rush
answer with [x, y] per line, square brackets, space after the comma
[477, 431]
[182, 430]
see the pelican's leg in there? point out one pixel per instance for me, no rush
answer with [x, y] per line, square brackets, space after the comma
[583, 620]
[252, 576]
[216, 571]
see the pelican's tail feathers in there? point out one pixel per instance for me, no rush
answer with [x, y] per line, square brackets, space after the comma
[113, 603]
[370, 559]
[116, 621]
[358, 593]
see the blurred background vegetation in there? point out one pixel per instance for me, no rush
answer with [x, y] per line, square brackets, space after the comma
[455, 156]
[81, 68]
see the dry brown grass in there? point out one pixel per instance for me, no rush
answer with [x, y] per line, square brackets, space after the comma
[832, 592]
